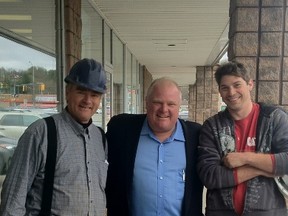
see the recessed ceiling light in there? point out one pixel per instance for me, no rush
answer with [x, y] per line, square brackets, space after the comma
[10, 1]
[15, 17]
[22, 31]
[170, 41]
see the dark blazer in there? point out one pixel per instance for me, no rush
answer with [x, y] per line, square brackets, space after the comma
[123, 134]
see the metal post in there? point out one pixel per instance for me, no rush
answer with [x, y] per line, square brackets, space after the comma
[33, 85]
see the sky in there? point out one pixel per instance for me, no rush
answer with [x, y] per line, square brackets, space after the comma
[18, 57]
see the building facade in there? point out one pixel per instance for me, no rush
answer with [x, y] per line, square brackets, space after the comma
[43, 39]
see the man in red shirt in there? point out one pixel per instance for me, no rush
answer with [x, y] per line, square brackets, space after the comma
[242, 149]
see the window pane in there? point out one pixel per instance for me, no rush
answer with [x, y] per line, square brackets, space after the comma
[27, 55]
[27, 77]
[29, 119]
[107, 43]
[12, 120]
[30, 20]
[134, 85]
[91, 32]
[92, 44]
[129, 81]
[117, 75]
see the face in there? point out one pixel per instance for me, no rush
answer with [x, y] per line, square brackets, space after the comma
[163, 107]
[82, 103]
[235, 92]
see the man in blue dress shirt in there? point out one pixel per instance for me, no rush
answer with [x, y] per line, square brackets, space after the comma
[152, 159]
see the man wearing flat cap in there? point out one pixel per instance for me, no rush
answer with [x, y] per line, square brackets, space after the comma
[79, 167]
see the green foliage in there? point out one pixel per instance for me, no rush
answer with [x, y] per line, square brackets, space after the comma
[11, 80]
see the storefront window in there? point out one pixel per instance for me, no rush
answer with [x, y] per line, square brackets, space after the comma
[135, 84]
[107, 44]
[91, 32]
[118, 74]
[27, 81]
[128, 78]
[92, 44]
[27, 61]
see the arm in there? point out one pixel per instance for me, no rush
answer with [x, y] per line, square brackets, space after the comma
[279, 142]
[210, 167]
[21, 173]
[257, 160]
[249, 165]
[245, 173]
[271, 163]
[116, 190]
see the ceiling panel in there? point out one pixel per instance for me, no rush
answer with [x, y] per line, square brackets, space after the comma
[170, 37]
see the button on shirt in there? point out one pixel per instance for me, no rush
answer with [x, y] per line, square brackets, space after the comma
[159, 174]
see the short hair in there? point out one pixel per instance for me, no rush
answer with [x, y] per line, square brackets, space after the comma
[160, 80]
[232, 68]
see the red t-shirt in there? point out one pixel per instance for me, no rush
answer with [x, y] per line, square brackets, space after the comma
[245, 135]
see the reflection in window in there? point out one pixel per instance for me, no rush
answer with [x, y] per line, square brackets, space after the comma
[27, 120]
[129, 81]
[135, 84]
[117, 75]
[108, 99]
[91, 32]
[92, 44]
[32, 21]
[27, 77]
[12, 120]
[107, 42]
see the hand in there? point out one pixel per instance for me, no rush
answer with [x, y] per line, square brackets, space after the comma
[236, 159]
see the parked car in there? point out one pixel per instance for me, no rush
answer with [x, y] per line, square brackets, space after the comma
[14, 123]
[7, 147]
[12, 126]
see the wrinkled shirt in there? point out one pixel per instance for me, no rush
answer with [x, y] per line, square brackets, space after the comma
[159, 174]
[80, 171]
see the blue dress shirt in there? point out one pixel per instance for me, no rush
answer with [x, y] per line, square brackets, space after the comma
[159, 174]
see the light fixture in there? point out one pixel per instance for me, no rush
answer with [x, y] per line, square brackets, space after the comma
[10, 1]
[22, 31]
[15, 17]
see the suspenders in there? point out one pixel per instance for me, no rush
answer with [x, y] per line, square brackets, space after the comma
[49, 168]
[50, 165]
